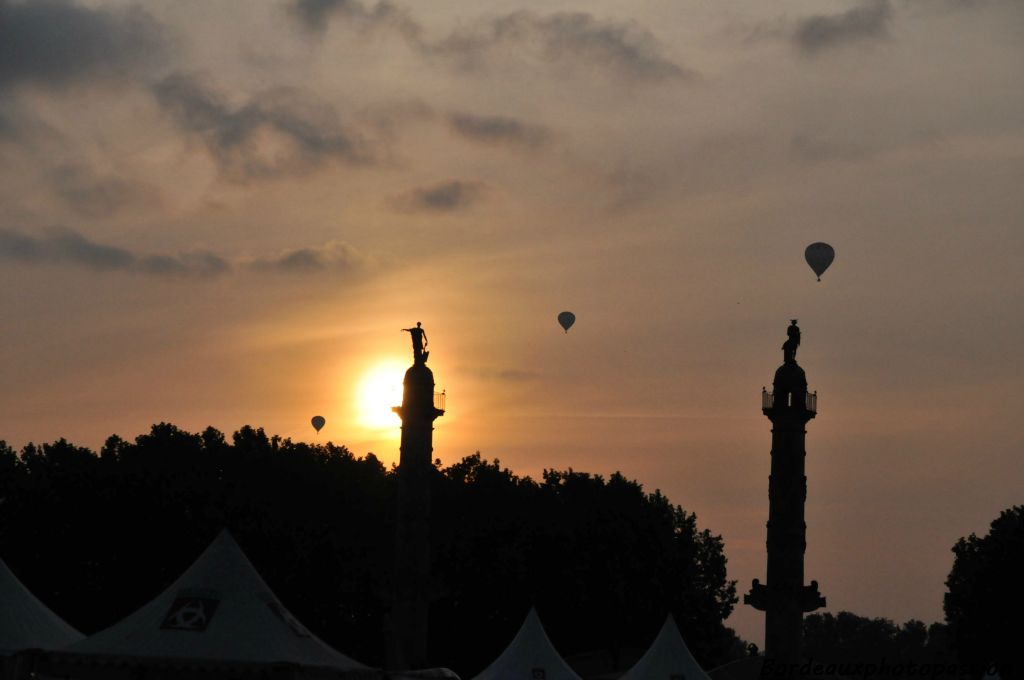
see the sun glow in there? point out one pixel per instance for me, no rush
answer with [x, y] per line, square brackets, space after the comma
[379, 390]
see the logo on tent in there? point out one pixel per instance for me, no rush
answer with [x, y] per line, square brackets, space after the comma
[538, 674]
[190, 613]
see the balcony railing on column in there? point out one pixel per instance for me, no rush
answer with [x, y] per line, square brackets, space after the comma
[810, 400]
[439, 399]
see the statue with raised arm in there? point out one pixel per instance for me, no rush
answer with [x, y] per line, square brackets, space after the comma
[419, 343]
[792, 342]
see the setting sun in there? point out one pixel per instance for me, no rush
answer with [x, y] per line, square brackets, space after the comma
[379, 390]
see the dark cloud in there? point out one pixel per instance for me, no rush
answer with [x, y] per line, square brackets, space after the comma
[55, 42]
[67, 247]
[498, 129]
[869, 20]
[314, 15]
[334, 256]
[62, 246]
[623, 49]
[201, 263]
[279, 132]
[99, 195]
[443, 197]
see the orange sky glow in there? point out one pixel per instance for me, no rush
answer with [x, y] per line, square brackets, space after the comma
[227, 214]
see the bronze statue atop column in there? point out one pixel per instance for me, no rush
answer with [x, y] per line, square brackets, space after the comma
[792, 342]
[419, 343]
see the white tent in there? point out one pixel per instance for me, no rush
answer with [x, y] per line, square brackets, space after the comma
[530, 656]
[668, 658]
[219, 610]
[25, 622]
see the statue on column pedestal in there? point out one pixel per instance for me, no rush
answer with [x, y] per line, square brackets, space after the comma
[419, 342]
[792, 342]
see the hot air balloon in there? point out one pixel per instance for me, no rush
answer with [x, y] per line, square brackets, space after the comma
[566, 320]
[819, 256]
[318, 422]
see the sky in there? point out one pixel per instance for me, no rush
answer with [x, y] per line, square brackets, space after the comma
[224, 213]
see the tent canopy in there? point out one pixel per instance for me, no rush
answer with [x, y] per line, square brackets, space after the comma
[27, 623]
[530, 656]
[667, 658]
[221, 610]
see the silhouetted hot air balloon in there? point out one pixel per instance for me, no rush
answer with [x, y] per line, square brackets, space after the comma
[566, 320]
[318, 422]
[819, 256]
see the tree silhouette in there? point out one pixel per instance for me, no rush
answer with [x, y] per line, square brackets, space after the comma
[97, 536]
[845, 639]
[603, 562]
[986, 596]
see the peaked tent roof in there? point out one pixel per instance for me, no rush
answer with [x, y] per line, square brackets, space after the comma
[668, 657]
[27, 623]
[218, 610]
[530, 651]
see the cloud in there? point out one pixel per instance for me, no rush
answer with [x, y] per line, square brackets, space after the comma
[314, 15]
[68, 247]
[624, 49]
[99, 195]
[334, 256]
[867, 21]
[389, 117]
[20, 122]
[56, 42]
[498, 129]
[444, 197]
[279, 132]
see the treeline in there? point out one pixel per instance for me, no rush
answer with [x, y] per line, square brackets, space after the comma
[845, 638]
[983, 627]
[96, 535]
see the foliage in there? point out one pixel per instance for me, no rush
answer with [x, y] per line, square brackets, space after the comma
[846, 638]
[97, 536]
[602, 561]
[986, 595]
